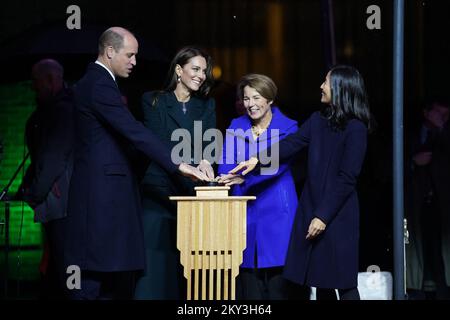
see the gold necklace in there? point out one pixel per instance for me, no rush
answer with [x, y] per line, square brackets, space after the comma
[257, 131]
[181, 100]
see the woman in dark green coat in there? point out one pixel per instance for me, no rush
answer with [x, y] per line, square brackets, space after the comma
[182, 105]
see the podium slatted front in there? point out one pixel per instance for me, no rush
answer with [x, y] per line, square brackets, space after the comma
[211, 237]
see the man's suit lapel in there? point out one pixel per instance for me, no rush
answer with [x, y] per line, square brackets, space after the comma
[102, 72]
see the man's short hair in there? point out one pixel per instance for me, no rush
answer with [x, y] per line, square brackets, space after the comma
[110, 38]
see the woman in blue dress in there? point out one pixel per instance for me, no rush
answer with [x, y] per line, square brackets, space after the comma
[270, 217]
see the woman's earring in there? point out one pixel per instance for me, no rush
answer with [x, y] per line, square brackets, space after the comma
[178, 79]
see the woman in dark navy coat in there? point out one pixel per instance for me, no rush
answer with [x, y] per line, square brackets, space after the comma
[323, 249]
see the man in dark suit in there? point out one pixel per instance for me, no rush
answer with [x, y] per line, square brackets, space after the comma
[104, 228]
[49, 138]
[428, 206]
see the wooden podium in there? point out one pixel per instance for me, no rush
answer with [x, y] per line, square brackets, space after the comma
[211, 236]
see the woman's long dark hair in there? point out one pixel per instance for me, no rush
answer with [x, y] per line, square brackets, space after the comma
[182, 58]
[348, 98]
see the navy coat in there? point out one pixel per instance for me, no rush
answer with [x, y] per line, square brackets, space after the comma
[104, 228]
[270, 216]
[334, 162]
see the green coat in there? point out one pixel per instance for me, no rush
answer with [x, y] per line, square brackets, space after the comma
[163, 276]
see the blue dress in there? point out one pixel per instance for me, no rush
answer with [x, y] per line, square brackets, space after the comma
[270, 216]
